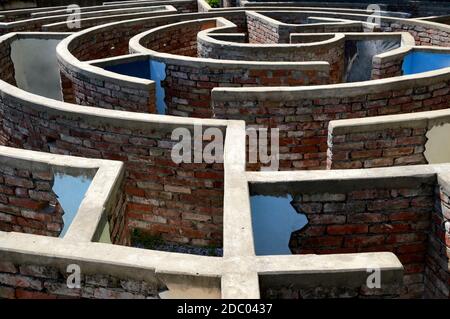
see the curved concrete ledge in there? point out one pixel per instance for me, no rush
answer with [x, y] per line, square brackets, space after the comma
[35, 23]
[102, 19]
[239, 73]
[96, 205]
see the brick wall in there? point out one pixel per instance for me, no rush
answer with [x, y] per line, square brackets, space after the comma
[33, 281]
[387, 68]
[100, 90]
[325, 292]
[378, 148]
[7, 73]
[36, 24]
[86, 23]
[180, 202]
[112, 41]
[362, 218]
[260, 31]
[435, 34]
[28, 203]
[437, 272]
[188, 87]
[117, 218]
[180, 39]
[332, 52]
[67, 89]
[303, 120]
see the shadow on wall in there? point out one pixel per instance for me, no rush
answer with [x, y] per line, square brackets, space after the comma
[437, 148]
[145, 69]
[359, 55]
[417, 62]
[274, 219]
[36, 67]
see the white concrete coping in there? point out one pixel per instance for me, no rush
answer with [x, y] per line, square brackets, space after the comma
[303, 6]
[30, 10]
[137, 47]
[118, 17]
[121, 59]
[294, 27]
[281, 183]
[106, 177]
[12, 24]
[205, 36]
[105, 7]
[139, 1]
[427, 120]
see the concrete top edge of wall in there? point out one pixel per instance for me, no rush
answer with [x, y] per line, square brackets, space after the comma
[27, 159]
[169, 9]
[285, 264]
[205, 37]
[136, 47]
[102, 7]
[29, 10]
[427, 119]
[281, 182]
[82, 16]
[320, 21]
[132, 57]
[332, 90]
[113, 259]
[99, 116]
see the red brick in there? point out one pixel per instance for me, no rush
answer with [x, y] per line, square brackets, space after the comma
[28, 294]
[18, 181]
[390, 228]
[347, 229]
[364, 241]
[7, 293]
[328, 241]
[27, 203]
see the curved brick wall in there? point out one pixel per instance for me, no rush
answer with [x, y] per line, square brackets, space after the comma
[382, 141]
[93, 86]
[28, 203]
[160, 194]
[188, 81]
[331, 51]
[88, 45]
[304, 122]
[307, 112]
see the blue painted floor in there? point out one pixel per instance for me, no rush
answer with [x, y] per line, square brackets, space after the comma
[417, 62]
[273, 220]
[70, 191]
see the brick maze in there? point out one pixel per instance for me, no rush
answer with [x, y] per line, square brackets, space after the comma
[360, 102]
